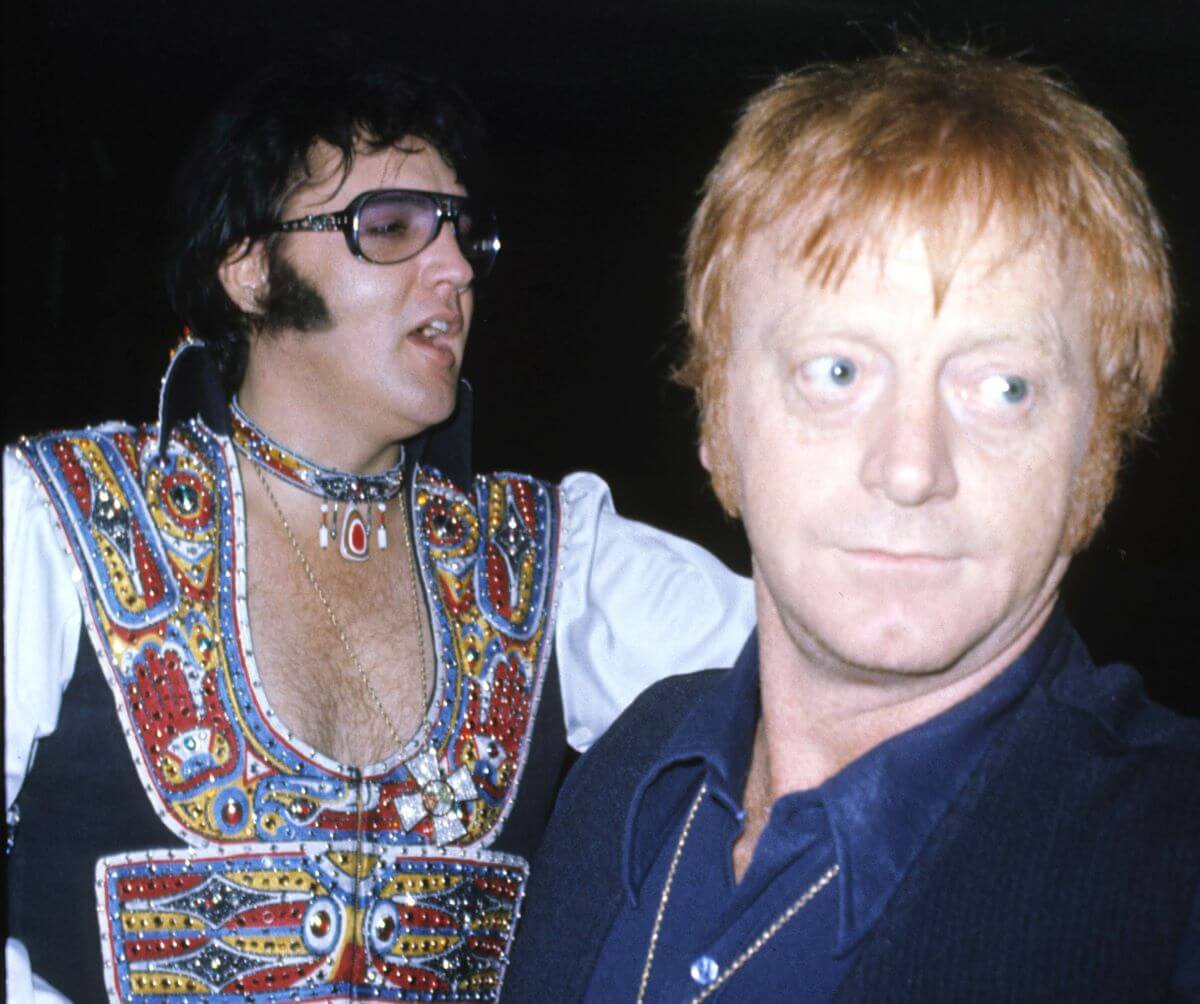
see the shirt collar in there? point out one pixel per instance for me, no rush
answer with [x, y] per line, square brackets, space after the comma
[716, 737]
[881, 808]
[191, 387]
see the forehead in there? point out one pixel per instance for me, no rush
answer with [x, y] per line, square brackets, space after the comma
[411, 163]
[992, 285]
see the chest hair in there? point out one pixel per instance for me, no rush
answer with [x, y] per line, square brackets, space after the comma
[310, 680]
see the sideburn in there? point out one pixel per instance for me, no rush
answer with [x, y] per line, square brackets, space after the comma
[292, 302]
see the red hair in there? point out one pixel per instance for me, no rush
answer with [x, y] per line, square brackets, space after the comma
[946, 142]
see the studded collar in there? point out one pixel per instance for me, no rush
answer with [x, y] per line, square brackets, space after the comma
[192, 387]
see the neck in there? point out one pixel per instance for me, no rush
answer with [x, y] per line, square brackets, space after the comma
[818, 716]
[327, 432]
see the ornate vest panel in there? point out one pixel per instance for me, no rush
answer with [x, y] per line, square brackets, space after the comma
[301, 878]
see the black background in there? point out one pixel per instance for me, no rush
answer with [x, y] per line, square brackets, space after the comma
[604, 119]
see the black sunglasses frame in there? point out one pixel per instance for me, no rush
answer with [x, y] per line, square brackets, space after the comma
[480, 254]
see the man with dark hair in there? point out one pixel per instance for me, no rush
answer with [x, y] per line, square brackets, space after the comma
[341, 807]
[929, 307]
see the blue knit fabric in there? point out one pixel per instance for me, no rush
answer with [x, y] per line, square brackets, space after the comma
[1066, 870]
[871, 819]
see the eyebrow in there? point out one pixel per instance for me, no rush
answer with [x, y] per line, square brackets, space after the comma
[1041, 330]
[1048, 342]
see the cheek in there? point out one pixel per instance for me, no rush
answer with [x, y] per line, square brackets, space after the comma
[362, 289]
[778, 457]
[1019, 502]
[366, 288]
[756, 405]
[760, 441]
[792, 494]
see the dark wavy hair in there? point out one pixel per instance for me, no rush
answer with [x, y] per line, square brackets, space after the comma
[252, 153]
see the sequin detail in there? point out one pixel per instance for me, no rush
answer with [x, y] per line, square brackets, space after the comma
[161, 545]
[304, 922]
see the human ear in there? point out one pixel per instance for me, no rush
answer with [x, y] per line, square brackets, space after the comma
[716, 458]
[243, 274]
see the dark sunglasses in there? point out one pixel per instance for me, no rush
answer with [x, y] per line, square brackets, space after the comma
[389, 225]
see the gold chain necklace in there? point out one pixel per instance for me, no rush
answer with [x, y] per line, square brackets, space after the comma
[826, 877]
[337, 627]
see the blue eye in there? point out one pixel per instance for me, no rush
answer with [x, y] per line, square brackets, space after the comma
[836, 370]
[1004, 388]
[843, 372]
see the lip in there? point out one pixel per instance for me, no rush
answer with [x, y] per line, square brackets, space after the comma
[899, 560]
[441, 349]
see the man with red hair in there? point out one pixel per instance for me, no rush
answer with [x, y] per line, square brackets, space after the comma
[929, 307]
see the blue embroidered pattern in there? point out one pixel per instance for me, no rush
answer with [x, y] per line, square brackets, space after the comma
[161, 545]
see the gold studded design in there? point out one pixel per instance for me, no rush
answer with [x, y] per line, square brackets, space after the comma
[160, 984]
[160, 545]
[208, 925]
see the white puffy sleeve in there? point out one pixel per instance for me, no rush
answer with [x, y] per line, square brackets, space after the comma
[635, 604]
[41, 634]
[41, 621]
[21, 984]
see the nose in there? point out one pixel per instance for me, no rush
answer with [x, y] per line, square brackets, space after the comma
[909, 458]
[444, 261]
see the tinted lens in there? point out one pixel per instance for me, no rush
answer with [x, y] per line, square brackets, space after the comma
[478, 236]
[393, 226]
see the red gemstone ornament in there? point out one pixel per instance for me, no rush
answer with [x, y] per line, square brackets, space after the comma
[354, 540]
[231, 813]
[385, 927]
[319, 924]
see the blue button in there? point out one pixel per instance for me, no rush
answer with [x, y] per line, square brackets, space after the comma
[705, 970]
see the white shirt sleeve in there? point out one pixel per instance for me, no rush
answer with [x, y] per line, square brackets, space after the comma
[21, 984]
[41, 621]
[635, 604]
[41, 635]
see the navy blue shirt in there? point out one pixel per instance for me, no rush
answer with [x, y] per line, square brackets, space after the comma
[870, 820]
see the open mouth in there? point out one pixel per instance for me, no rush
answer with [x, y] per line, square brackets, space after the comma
[436, 340]
[433, 329]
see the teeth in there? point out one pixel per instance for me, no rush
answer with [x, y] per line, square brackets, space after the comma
[434, 328]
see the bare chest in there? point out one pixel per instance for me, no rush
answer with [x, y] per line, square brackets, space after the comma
[343, 653]
[743, 848]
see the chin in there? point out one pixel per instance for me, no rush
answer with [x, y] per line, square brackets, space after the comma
[441, 413]
[417, 417]
[909, 642]
[904, 655]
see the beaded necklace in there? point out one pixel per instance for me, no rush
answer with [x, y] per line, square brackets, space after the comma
[348, 500]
